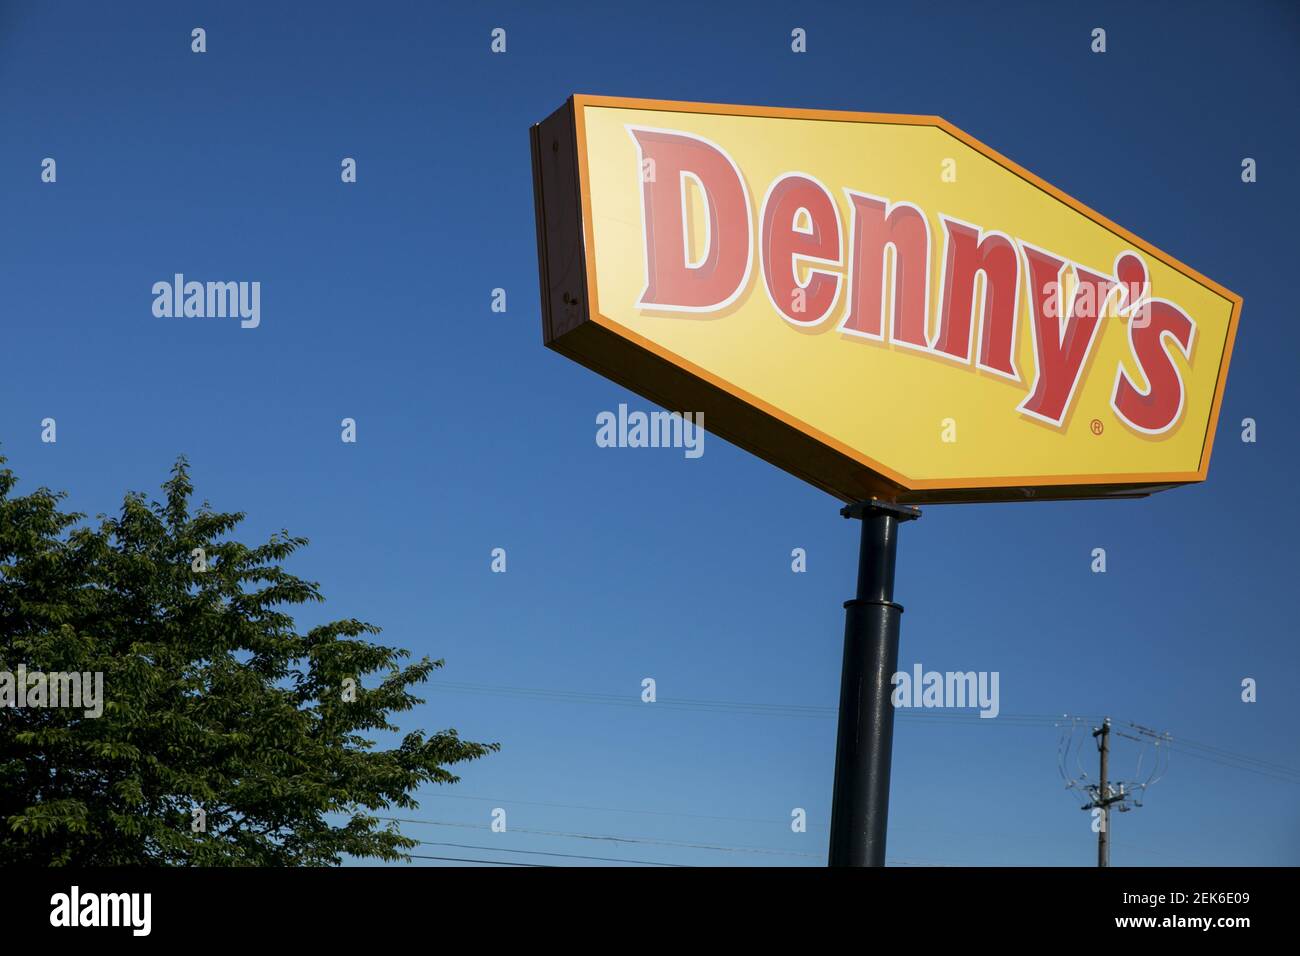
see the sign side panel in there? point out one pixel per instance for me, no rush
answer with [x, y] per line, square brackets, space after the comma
[559, 225]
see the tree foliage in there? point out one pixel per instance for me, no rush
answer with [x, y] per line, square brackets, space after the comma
[213, 699]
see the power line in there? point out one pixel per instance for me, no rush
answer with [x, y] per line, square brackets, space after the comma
[1206, 752]
[571, 856]
[1215, 751]
[1191, 748]
[1218, 755]
[459, 859]
[502, 801]
[732, 706]
[683, 703]
[647, 841]
[1235, 766]
[1209, 752]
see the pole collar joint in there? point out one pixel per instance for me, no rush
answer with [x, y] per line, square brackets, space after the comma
[873, 506]
[867, 602]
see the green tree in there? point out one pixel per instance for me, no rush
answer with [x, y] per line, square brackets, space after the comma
[213, 699]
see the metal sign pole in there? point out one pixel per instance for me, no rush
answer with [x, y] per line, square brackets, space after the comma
[864, 746]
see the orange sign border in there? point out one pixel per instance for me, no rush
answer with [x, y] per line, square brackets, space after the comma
[581, 101]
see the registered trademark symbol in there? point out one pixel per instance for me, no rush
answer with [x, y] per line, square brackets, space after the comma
[1097, 426]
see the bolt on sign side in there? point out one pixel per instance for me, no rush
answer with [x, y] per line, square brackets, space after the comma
[878, 304]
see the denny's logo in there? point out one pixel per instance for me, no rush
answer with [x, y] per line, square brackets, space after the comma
[878, 304]
[812, 264]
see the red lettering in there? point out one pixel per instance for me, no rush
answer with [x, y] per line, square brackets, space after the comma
[877, 225]
[803, 264]
[672, 281]
[967, 255]
[1061, 355]
[1159, 408]
[783, 242]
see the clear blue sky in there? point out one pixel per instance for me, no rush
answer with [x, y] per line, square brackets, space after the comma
[625, 564]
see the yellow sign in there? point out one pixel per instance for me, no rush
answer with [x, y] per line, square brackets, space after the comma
[879, 304]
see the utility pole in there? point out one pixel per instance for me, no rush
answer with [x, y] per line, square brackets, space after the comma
[1104, 798]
